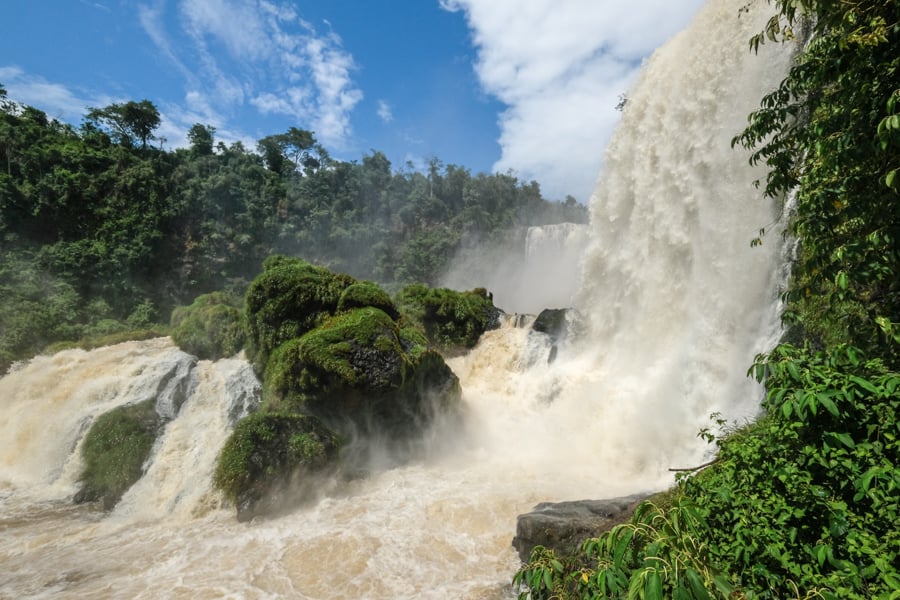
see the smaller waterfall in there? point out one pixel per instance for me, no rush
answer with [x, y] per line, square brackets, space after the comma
[539, 267]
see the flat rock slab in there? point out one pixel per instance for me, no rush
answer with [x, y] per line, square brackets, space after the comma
[563, 526]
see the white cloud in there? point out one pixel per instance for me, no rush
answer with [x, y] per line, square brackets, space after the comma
[273, 61]
[58, 101]
[560, 67]
[384, 111]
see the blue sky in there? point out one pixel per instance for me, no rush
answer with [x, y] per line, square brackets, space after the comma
[492, 85]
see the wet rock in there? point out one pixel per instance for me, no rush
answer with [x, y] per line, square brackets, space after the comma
[563, 526]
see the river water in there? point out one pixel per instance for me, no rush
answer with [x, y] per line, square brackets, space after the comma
[674, 303]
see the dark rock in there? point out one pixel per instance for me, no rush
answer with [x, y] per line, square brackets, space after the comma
[563, 526]
[552, 321]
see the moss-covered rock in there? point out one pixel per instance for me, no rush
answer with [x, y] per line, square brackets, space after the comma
[360, 367]
[268, 462]
[366, 293]
[289, 298]
[211, 327]
[453, 321]
[115, 450]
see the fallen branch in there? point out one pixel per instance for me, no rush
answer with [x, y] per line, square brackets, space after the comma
[697, 468]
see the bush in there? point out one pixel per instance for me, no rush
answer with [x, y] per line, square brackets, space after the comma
[210, 328]
[451, 320]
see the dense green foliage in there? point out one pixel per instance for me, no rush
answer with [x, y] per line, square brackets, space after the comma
[115, 449]
[804, 503]
[99, 228]
[451, 320]
[211, 327]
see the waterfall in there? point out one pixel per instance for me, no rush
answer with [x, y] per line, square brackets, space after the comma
[674, 303]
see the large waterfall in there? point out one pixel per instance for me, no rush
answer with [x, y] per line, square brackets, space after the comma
[675, 304]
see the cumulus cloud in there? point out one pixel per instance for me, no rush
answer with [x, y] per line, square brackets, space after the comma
[560, 68]
[274, 61]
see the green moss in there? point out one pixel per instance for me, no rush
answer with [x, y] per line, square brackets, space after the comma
[265, 451]
[366, 293]
[288, 299]
[360, 367]
[355, 351]
[211, 327]
[451, 320]
[90, 343]
[115, 450]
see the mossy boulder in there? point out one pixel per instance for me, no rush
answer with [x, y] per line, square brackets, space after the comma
[211, 327]
[366, 293]
[115, 450]
[288, 299]
[453, 321]
[270, 461]
[360, 368]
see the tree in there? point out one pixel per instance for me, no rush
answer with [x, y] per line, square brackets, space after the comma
[127, 123]
[201, 139]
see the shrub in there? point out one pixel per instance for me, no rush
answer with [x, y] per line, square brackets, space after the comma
[211, 327]
[451, 320]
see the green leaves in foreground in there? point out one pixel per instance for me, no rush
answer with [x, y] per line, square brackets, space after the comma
[802, 504]
[659, 554]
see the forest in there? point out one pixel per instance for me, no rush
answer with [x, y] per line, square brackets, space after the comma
[103, 231]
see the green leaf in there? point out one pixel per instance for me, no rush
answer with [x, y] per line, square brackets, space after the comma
[787, 408]
[846, 440]
[723, 584]
[653, 587]
[622, 545]
[866, 385]
[829, 404]
[548, 579]
[696, 584]
[841, 280]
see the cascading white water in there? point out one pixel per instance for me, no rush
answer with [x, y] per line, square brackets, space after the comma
[676, 304]
[538, 268]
